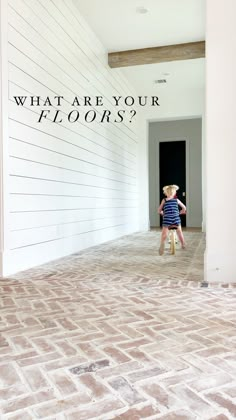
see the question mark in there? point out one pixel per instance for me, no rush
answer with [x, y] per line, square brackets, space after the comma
[134, 113]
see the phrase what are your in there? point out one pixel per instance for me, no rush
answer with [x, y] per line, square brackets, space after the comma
[96, 113]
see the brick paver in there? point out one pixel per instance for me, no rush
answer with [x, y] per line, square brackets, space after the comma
[118, 332]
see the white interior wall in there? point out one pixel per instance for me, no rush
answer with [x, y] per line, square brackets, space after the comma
[204, 172]
[1, 149]
[70, 186]
[143, 174]
[220, 262]
[180, 102]
[3, 129]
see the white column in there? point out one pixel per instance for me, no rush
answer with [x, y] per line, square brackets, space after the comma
[3, 129]
[203, 172]
[220, 256]
[143, 171]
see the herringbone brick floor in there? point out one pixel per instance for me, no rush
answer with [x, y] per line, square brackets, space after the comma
[118, 332]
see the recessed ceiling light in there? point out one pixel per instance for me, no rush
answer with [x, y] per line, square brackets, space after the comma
[160, 81]
[142, 10]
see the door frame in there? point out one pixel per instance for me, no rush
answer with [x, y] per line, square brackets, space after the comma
[157, 175]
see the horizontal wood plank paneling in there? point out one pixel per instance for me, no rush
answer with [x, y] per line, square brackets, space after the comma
[71, 185]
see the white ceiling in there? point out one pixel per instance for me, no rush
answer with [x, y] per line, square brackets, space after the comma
[119, 27]
[188, 74]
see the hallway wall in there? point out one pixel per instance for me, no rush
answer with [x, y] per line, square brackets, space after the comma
[220, 264]
[69, 185]
[191, 131]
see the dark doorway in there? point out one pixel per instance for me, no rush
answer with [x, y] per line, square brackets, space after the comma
[172, 164]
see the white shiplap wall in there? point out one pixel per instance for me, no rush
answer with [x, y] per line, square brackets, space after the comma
[71, 186]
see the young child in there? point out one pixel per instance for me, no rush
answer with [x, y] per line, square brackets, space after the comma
[171, 216]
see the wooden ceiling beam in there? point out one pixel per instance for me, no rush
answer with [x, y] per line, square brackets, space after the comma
[142, 56]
